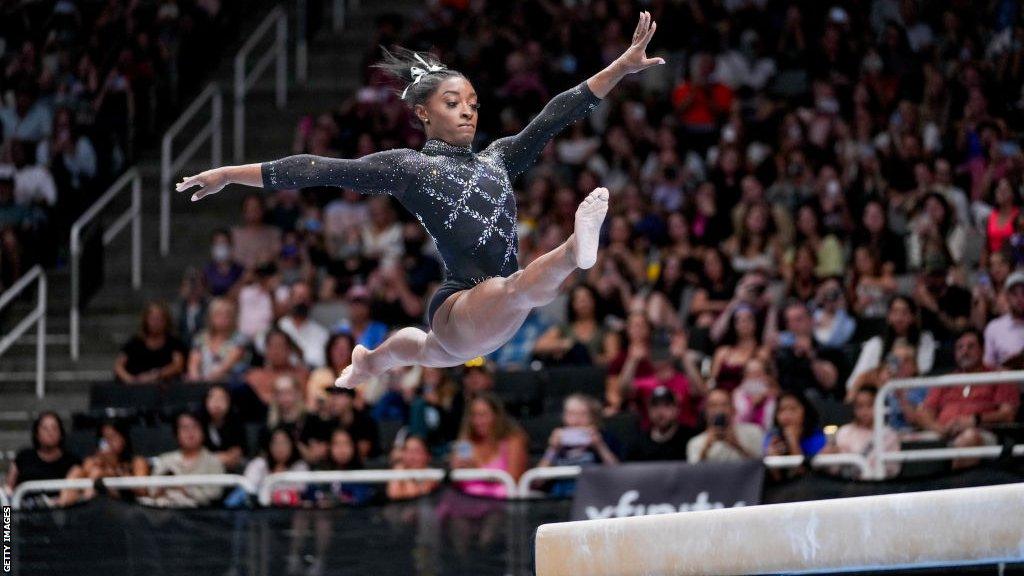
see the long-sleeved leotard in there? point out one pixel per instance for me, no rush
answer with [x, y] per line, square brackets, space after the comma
[464, 199]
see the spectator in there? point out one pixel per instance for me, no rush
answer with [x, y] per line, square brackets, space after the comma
[278, 453]
[29, 118]
[113, 458]
[190, 458]
[218, 351]
[871, 288]
[579, 441]
[415, 455]
[701, 103]
[755, 399]
[1003, 218]
[71, 157]
[33, 183]
[431, 416]
[945, 307]
[222, 274]
[724, 439]
[583, 338]
[47, 459]
[382, 234]
[857, 437]
[255, 243]
[902, 325]
[741, 344]
[342, 455]
[755, 244]
[988, 293]
[666, 439]
[902, 406]
[961, 414]
[310, 336]
[256, 302]
[192, 306]
[878, 239]
[225, 432]
[280, 359]
[826, 247]
[715, 290]
[1004, 336]
[366, 330]
[154, 354]
[338, 355]
[935, 232]
[489, 439]
[342, 413]
[801, 364]
[675, 369]
[795, 431]
[633, 361]
[287, 409]
[833, 326]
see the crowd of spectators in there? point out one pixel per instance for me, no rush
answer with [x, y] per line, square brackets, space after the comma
[809, 201]
[84, 86]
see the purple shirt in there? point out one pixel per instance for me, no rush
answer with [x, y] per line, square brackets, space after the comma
[220, 283]
[1004, 339]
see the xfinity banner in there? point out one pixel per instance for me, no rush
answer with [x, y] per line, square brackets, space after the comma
[665, 487]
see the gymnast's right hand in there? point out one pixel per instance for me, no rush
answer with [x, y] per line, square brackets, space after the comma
[209, 182]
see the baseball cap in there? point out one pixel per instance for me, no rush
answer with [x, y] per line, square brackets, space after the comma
[1015, 279]
[662, 395]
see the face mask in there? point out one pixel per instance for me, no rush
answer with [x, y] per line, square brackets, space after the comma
[221, 252]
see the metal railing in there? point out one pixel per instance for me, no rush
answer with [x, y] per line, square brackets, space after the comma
[976, 379]
[171, 164]
[36, 486]
[37, 317]
[132, 215]
[4, 501]
[278, 53]
[357, 476]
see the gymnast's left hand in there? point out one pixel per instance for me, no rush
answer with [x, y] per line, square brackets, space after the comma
[635, 59]
[209, 182]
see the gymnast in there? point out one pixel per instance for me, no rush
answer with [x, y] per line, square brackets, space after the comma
[465, 201]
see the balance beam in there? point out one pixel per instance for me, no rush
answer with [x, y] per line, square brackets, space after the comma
[919, 529]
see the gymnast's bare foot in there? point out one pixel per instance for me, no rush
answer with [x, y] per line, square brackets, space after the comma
[589, 217]
[358, 371]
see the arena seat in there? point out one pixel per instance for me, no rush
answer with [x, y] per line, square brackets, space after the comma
[151, 441]
[562, 381]
[521, 391]
[183, 396]
[139, 402]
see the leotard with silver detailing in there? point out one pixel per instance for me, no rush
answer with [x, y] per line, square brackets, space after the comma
[464, 199]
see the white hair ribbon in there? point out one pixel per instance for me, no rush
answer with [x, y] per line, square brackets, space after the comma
[418, 72]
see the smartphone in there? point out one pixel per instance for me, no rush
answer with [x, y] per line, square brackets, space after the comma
[720, 421]
[463, 450]
[574, 437]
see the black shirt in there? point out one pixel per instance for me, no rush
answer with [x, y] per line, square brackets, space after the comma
[674, 448]
[363, 427]
[141, 359]
[32, 467]
[229, 435]
[955, 303]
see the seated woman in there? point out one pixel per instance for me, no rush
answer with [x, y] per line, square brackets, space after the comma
[901, 406]
[113, 458]
[756, 397]
[190, 458]
[583, 338]
[715, 291]
[281, 358]
[414, 455]
[755, 245]
[225, 431]
[341, 455]
[47, 459]
[903, 325]
[742, 343]
[278, 453]
[338, 353]
[489, 439]
[154, 354]
[857, 437]
[218, 351]
[795, 432]
[579, 441]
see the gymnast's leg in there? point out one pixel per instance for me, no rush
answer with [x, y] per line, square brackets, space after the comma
[479, 320]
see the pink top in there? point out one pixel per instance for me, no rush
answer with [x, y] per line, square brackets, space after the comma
[487, 488]
[998, 233]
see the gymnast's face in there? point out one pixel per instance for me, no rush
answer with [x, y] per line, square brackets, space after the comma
[450, 112]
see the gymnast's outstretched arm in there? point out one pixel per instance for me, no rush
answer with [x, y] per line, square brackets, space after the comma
[386, 172]
[520, 150]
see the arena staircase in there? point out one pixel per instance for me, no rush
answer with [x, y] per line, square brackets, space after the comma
[113, 314]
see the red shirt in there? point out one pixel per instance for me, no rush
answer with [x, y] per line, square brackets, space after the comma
[950, 402]
[707, 103]
[678, 384]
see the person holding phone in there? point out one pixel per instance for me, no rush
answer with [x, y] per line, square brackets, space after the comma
[725, 439]
[579, 441]
[489, 438]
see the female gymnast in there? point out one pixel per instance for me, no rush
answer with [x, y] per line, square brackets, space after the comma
[465, 201]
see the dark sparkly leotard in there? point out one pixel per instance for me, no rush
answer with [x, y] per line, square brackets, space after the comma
[464, 199]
